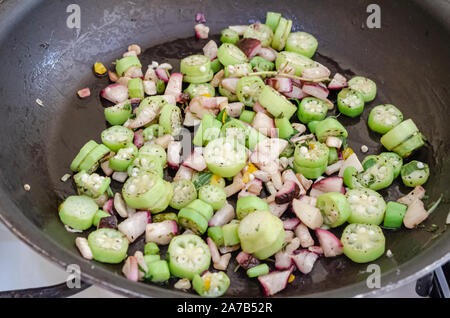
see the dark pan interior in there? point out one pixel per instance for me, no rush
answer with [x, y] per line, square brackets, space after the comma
[42, 58]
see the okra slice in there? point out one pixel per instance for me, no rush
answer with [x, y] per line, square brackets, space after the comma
[216, 66]
[270, 250]
[211, 284]
[125, 63]
[248, 89]
[272, 20]
[311, 155]
[350, 102]
[395, 212]
[170, 119]
[208, 130]
[247, 116]
[215, 196]
[229, 36]
[383, 118]
[123, 158]
[136, 88]
[415, 173]
[92, 185]
[184, 192]
[150, 259]
[154, 150]
[407, 147]
[395, 160]
[260, 64]
[260, 32]
[216, 234]
[238, 70]
[188, 255]
[152, 132]
[108, 245]
[192, 220]
[363, 243]
[367, 206]
[166, 197]
[275, 103]
[100, 214]
[329, 127]
[287, 61]
[161, 217]
[118, 114]
[230, 54]
[351, 178]
[302, 43]
[258, 270]
[159, 271]
[195, 65]
[285, 129]
[200, 79]
[230, 233]
[82, 154]
[143, 191]
[365, 86]
[378, 174]
[200, 89]
[225, 157]
[156, 103]
[90, 162]
[205, 209]
[249, 204]
[151, 248]
[312, 109]
[281, 34]
[78, 212]
[399, 134]
[333, 156]
[146, 164]
[232, 97]
[117, 137]
[308, 172]
[334, 207]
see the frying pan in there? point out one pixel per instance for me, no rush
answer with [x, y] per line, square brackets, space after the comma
[41, 58]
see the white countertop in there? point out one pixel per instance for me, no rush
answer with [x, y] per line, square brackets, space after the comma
[21, 267]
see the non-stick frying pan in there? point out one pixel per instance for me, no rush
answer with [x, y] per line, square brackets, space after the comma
[41, 58]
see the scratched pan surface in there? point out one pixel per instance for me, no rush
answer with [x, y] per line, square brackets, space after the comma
[42, 58]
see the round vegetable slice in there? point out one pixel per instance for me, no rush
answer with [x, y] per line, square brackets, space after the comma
[228, 94]
[378, 173]
[230, 54]
[205, 209]
[260, 64]
[329, 127]
[258, 270]
[248, 89]
[125, 63]
[195, 65]
[287, 61]
[78, 212]
[213, 195]
[281, 34]
[351, 178]
[399, 134]
[90, 162]
[200, 79]
[229, 36]
[272, 20]
[334, 207]
[395, 160]
[200, 89]
[117, 137]
[146, 164]
[82, 154]
[249, 204]
[118, 114]
[311, 109]
[350, 102]
[91, 185]
[184, 192]
[161, 217]
[302, 43]
[365, 86]
[192, 220]
[415, 173]
[260, 32]
[310, 173]
[225, 156]
[188, 255]
[407, 147]
[367, 206]
[123, 159]
[273, 248]
[151, 132]
[165, 199]
[108, 245]
[216, 234]
[394, 214]
[383, 118]
[211, 284]
[363, 243]
[275, 103]
[259, 230]
[238, 70]
[143, 191]
[311, 155]
[170, 119]
[154, 150]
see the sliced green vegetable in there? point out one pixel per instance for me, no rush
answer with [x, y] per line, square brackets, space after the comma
[334, 207]
[100, 214]
[247, 116]
[230, 54]
[82, 154]
[211, 284]
[365, 86]
[229, 36]
[91, 185]
[363, 243]
[383, 118]
[91, 161]
[143, 191]
[125, 63]
[124, 158]
[108, 245]
[118, 114]
[192, 220]
[225, 157]
[213, 195]
[184, 192]
[248, 89]
[302, 43]
[200, 89]
[367, 206]
[158, 272]
[312, 109]
[230, 234]
[136, 88]
[216, 234]
[161, 217]
[311, 155]
[285, 129]
[275, 103]
[395, 212]
[260, 64]
[259, 270]
[117, 137]
[378, 174]
[350, 102]
[260, 32]
[329, 127]
[202, 207]
[415, 173]
[151, 248]
[272, 20]
[78, 212]
[195, 65]
[293, 61]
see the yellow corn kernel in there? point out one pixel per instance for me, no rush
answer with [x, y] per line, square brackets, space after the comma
[206, 95]
[291, 278]
[311, 146]
[224, 117]
[215, 180]
[99, 68]
[347, 152]
[207, 283]
[251, 168]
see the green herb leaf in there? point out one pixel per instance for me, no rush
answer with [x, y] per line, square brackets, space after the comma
[204, 178]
